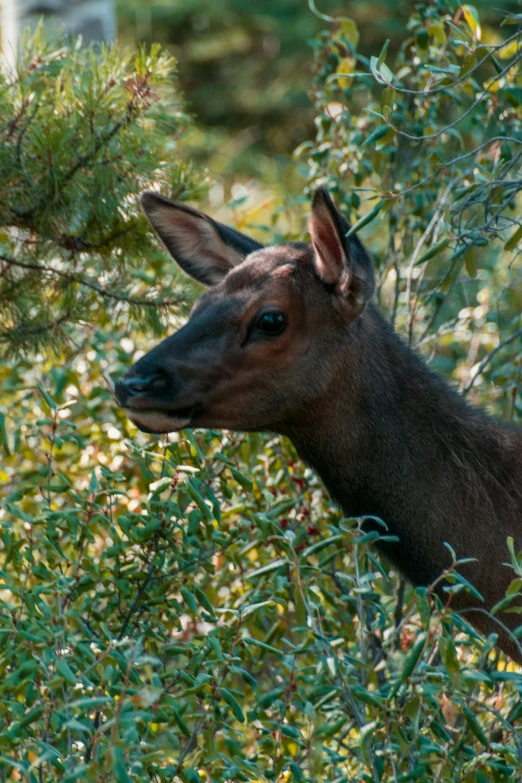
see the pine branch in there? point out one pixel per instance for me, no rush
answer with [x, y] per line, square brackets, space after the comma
[76, 279]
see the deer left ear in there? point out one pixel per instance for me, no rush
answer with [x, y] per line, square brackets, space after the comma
[339, 263]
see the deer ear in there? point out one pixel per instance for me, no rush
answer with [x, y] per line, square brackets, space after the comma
[204, 248]
[339, 262]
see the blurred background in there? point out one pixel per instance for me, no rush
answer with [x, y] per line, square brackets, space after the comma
[245, 68]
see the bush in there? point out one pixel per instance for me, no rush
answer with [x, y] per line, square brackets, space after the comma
[196, 608]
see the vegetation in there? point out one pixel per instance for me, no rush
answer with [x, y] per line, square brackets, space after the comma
[195, 608]
[82, 134]
[244, 67]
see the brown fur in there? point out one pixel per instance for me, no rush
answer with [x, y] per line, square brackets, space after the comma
[387, 436]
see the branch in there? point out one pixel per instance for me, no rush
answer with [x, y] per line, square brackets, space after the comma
[462, 116]
[487, 359]
[83, 159]
[42, 268]
[462, 78]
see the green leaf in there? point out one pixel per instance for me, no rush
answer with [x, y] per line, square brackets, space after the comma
[94, 484]
[251, 608]
[514, 559]
[410, 662]
[475, 726]
[377, 134]
[433, 251]
[266, 569]
[261, 645]
[470, 259]
[199, 500]
[267, 699]
[65, 671]
[322, 544]
[181, 723]
[385, 72]
[3, 435]
[514, 239]
[48, 399]
[366, 219]
[233, 704]
[119, 766]
[189, 599]
[203, 600]
[241, 479]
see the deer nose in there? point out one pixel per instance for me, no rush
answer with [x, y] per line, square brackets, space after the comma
[126, 388]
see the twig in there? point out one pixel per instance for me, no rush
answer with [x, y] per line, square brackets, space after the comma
[487, 359]
[89, 284]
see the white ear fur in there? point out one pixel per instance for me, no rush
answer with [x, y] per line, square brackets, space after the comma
[331, 263]
[194, 240]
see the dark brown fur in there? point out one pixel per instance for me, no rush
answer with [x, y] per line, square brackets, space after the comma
[387, 436]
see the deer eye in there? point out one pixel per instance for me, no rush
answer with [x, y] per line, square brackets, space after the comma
[271, 322]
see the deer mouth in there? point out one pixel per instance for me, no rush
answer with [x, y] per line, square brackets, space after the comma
[161, 421]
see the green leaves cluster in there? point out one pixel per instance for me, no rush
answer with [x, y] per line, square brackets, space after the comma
[197, 609]
[82, 133]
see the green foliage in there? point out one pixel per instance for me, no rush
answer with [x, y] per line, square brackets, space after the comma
[196, 608]
[82, 134]
[245, 68]
[425, 151]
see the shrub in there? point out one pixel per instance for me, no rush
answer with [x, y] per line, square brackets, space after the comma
[196, 608]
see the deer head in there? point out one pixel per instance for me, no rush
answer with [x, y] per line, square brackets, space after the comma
[260, 347]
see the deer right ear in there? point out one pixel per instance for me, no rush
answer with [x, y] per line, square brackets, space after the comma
[341, 264]
[204, 249]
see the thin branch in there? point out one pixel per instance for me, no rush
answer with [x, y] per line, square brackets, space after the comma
[462, 78]
[459, 119]
[84, 159]
[89, 284]
[487, 359]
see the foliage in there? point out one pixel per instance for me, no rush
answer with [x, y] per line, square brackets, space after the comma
[427, 153]
[82, 135]
[196, 608]
[245, 69]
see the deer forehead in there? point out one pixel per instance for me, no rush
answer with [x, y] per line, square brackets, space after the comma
[263, 268]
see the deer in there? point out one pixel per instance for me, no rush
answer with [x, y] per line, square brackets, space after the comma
[287, 340]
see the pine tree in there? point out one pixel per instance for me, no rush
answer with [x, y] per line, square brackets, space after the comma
[82, 134]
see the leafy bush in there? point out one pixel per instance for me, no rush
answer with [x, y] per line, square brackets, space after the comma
[196, 608]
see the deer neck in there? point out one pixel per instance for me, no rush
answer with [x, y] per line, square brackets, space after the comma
[390, 439]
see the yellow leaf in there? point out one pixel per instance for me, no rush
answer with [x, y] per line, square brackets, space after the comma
[437, 33]
[491, 84]
[472, 18]
[346, 66]
[350, 31]
[509, 50]
[254, 212]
